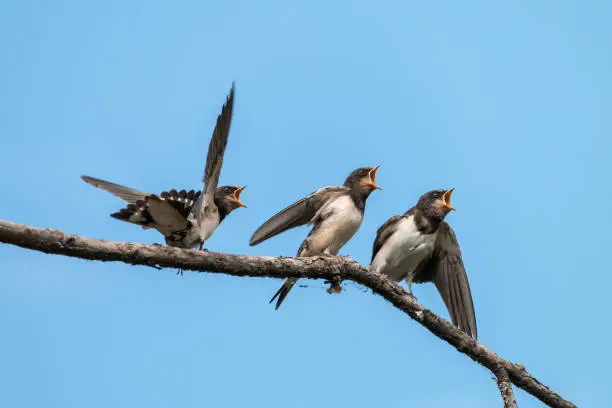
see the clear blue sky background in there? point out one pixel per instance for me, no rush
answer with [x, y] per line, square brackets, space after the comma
[508, 102]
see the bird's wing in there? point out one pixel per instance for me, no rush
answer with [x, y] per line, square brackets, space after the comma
[167, 218]
[127, 194]
[446, 269]
[214, 158]
[383, 234]
[299, 213]
[182, 201]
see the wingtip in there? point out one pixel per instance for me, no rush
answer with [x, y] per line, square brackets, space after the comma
[469, 326]
[89, 180]
[229, 100]
[255, 239]
[470, 331]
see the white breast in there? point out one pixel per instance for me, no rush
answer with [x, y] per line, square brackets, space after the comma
[208, 223]
[403, 251]
[340, 221]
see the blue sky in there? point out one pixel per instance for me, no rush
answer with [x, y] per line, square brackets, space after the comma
[508, 102]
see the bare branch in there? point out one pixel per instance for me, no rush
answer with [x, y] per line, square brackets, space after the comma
[505, 387]
[334, 269]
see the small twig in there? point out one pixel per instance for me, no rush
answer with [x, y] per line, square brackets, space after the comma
[505, 387]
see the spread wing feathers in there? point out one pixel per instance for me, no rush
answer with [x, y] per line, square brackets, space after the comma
[166, 213]
[166, 217]
[216, 149]
[127, 194]
[182, 201]
[383, 234]
[448, 274]
[299, 213]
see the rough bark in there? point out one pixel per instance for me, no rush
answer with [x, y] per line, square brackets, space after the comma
[505, 387]
[333, 269]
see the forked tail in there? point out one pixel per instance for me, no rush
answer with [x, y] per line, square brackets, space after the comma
[282, 293]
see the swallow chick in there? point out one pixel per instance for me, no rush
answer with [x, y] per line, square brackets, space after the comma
[186, 219]
[335, 214]
[420, 246]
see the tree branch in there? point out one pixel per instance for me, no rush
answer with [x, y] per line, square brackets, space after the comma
[334, 269]
[505, 387]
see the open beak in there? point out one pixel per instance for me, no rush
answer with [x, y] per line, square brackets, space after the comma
[447, 197]
[372, 175]
[236, 197]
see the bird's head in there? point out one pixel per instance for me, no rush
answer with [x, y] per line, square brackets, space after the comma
[363, 180]
[436, 203]
[228, 198]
